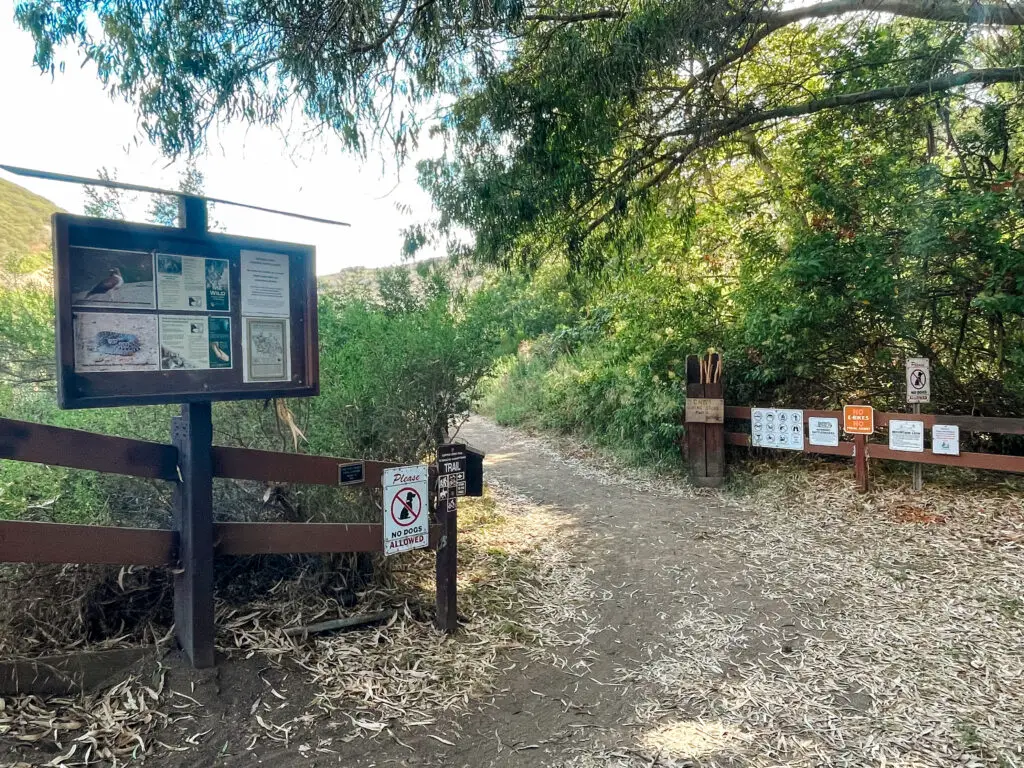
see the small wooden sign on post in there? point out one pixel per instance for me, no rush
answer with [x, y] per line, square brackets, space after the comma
[705, 410]
[705, 420]
[859, 421]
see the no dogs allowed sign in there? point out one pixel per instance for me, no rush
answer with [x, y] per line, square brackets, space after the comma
[406, 509]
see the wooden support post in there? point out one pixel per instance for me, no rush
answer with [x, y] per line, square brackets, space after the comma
[714, 434]
[918, 478]
[447, 618]
[193, 214]
[860, 462]
[192, 434]
[705, 442]
[696, 452]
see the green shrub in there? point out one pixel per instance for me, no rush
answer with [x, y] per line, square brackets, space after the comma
[394, 376]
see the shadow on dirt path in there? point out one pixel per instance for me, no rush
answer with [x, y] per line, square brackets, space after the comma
[644, 549]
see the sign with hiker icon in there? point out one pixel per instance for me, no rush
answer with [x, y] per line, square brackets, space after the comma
[406, 516]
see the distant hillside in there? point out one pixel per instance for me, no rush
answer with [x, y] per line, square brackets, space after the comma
[351, 281]
[24, 230]
[362, 282]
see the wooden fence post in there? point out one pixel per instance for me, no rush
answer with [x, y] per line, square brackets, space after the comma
[860, 462]
[192, 434]
[705, 441]
[447, 617]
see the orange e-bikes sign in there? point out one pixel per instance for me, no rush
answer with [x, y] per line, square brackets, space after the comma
[858, 419]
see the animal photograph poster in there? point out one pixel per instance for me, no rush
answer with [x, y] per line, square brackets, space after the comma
[194, 342]
[192, 283]
[109, 278]
[110, 342]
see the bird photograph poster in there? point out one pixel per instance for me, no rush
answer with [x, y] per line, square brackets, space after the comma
[109, 278]
[109, 342]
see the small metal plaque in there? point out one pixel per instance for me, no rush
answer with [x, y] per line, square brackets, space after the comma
[705, 410]
[351, 474]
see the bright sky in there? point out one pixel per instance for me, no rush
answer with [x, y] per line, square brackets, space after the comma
[68, 124]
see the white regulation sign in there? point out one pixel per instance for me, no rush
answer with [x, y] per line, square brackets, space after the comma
[906, 435]
[777, 428]
[823, 430]
[946, 440]
[406, 509]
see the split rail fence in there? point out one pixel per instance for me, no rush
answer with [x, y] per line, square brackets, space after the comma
[862, 450]
[41, 542]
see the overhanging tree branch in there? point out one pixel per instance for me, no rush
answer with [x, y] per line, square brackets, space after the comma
[714, 131]
[997, 14]
[608, 14]
[1006, 14]
[705, 135]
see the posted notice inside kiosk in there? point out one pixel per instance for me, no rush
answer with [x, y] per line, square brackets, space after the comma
[406, 508]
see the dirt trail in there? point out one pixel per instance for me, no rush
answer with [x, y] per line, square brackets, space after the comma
[803, 626]
[644, 551]
[824, 628]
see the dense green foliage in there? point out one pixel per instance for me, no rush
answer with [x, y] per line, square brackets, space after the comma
[818, 252]
[847, 244]
[818, 190]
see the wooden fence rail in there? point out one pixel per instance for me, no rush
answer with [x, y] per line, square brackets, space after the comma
[989, 461]
[73, 448]
[34, 542]
[37, 542]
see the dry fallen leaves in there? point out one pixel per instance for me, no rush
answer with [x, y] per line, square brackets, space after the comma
[517, 591]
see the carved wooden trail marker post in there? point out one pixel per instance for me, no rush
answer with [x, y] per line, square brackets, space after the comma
[705, 420]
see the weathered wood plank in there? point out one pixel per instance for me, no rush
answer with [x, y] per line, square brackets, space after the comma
[250, 464]
[742, 412]
[714, 434]
[997, 426]
[446, 576]
[845, 447]
[31, 542]
[993, 461]
[860, 463]
[302, 538]
[62, 447]
[696, 443]
[194, 626]
[737, 438]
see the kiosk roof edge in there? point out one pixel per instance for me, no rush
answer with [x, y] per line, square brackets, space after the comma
[51, 176]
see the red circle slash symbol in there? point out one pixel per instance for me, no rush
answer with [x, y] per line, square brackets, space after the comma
[406, 507]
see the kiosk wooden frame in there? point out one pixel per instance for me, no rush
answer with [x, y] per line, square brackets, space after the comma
[81, 389]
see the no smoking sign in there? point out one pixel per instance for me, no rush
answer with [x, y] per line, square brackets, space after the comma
[406, 525]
